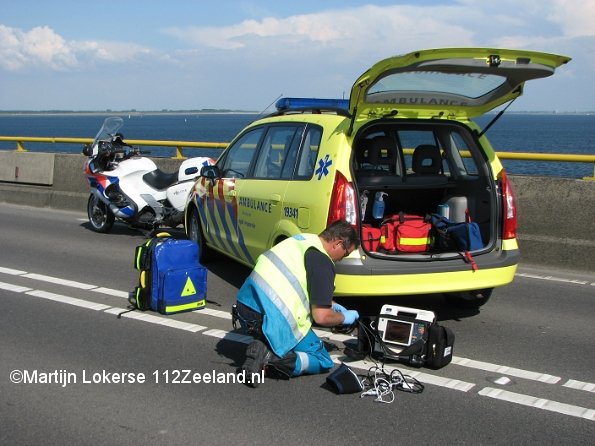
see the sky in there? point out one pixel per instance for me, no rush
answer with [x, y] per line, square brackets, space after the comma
[243, 55]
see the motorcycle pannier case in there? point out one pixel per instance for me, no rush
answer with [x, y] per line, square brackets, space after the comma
[171, 278]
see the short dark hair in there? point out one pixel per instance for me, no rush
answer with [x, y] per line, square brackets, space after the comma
[341, 230]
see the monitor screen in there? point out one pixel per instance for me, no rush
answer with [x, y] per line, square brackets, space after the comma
[398, 332]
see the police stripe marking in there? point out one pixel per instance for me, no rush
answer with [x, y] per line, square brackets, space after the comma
[68, 300]
[538, 403]
[519, 373]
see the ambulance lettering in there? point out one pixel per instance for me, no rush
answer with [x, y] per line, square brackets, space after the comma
[257, 205]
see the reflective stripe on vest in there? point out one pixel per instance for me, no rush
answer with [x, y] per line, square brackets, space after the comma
[281, 274]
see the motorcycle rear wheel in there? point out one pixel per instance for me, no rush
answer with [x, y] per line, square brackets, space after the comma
[100, 216]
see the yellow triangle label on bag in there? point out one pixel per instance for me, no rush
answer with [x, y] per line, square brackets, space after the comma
[189, 289]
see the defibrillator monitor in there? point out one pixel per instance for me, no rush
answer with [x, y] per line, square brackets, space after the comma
[400, 327]
[398, 332]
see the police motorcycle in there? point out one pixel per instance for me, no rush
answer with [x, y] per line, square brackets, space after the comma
[127, 186]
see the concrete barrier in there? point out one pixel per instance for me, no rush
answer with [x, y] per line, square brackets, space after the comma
[556, 215]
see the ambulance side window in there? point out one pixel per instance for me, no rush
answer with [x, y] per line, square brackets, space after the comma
[275, 151]
[309, 153]
[238, 157]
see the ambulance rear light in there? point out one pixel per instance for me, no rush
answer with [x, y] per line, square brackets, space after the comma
[509, 211]
[343, 204]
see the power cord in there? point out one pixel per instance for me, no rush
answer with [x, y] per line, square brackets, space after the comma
[383, 384]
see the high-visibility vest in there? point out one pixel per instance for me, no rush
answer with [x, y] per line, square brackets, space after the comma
[282, 291]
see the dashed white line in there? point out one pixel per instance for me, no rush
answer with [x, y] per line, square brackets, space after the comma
[511, 371]
[579, 385]
[226, 335]
[555, 279]
[15, 288]
[426, 378]
[538, 403]
[12, 272]
[67, 300]
[216, 313]
[145, 317]
[454, 384]
[58, 281]
[110, 292]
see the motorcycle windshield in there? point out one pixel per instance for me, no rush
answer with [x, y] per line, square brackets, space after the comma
[109, 128]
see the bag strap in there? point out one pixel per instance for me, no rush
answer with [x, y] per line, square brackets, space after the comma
[468, 258]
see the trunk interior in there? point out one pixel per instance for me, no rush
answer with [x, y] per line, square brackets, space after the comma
[405, 172]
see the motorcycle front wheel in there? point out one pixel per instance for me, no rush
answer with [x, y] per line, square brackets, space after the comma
[100, 216]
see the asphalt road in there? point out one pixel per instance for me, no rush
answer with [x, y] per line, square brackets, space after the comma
[73, 372]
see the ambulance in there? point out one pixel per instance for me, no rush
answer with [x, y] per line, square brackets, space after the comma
[404, 150]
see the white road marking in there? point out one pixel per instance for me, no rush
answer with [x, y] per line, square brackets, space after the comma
[145, 317]
[519, 373]
[579, 385]
[555, 279]
[426, 378]
[538, 403]
[15, 288]
[12, 272]
[110, 292]
[67, 300]
[228, 336]
[216, 313]
[58, 281]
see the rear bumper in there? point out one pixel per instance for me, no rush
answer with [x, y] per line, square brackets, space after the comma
[372, 277]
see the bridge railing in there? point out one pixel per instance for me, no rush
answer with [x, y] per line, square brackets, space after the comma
[181, 145]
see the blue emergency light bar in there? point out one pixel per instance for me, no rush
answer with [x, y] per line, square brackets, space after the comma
[285, 104]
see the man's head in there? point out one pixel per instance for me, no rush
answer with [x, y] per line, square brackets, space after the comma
[340, 239]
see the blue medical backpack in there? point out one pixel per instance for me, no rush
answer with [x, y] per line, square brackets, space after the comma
[171, 278]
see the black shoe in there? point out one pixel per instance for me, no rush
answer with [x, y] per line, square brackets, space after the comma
[258, 356]
[282, 368]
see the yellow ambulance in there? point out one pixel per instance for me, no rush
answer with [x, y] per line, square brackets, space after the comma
[403, 148]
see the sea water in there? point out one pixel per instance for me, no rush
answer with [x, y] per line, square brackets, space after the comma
[513, 132]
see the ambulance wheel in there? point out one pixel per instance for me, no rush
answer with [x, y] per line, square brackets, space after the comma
[100, 216]
[469, 299]
[194, 231]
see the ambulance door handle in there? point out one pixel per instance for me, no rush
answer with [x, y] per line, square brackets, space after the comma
[276, 198]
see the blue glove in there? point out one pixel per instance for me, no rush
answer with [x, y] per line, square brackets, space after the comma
[350, 316]
[339, 308]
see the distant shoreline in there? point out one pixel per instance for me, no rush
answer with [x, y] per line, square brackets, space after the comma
[125, 113]
[216, 112]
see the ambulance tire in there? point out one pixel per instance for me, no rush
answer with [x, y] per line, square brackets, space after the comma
[194, 231]
[469, 299]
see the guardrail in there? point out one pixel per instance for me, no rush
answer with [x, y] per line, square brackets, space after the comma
[180, 145]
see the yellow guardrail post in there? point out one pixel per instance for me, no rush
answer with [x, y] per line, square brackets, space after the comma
[21, 146]
[179, 154]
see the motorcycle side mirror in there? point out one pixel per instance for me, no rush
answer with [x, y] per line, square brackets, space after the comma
[87, 150]
[191, 171]
[210, 172]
